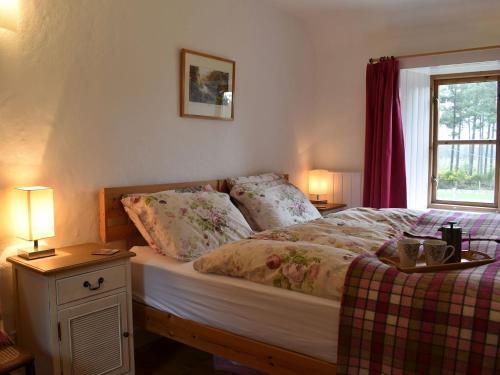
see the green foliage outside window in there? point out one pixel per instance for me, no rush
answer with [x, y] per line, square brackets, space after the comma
[467, 112]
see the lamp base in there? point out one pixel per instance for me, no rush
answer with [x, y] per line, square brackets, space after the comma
[35, 253]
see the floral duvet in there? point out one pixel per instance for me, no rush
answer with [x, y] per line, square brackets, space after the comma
[313, 257]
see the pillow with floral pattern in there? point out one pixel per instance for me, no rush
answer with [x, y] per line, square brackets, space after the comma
[137, 222]
[273, 204]
[186, 225]
[265, 177]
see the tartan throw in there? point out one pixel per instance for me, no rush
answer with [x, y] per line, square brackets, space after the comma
[479, 226]
[429, 323]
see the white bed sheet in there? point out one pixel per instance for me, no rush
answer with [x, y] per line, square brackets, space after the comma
[291, 320]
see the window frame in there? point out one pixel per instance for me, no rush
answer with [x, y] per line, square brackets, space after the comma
[436, 81]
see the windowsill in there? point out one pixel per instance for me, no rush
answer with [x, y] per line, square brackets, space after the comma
[457, 207]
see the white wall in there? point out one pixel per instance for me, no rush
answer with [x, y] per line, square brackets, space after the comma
[89, 90]
[345, 38]
[89, 98]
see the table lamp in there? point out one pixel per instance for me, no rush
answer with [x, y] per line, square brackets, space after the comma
[35, 219]
[9, 14]
[320, 183]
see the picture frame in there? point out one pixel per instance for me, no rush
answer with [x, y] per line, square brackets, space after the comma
[207, 86]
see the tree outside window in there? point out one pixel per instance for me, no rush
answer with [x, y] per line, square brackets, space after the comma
[464, 141]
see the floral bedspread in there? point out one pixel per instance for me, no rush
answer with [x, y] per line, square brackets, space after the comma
[390, 322]
[313, 257]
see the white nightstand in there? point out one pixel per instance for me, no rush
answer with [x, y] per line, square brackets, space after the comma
[75, 311]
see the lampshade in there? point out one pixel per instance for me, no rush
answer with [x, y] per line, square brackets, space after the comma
[320, 182]
[9, 14]
[35, 212]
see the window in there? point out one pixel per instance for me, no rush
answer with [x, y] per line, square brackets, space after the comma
[464, 140]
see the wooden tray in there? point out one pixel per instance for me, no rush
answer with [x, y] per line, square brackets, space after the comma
[469, 259]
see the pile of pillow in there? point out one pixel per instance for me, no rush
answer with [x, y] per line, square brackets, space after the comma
[187, 223]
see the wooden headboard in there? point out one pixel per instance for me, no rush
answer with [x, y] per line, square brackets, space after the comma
[114, 224]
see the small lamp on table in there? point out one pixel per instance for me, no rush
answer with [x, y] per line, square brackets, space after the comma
[320, 183]
[35, 219]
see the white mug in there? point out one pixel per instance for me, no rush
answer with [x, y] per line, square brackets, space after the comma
[436, 252]
[408, 252]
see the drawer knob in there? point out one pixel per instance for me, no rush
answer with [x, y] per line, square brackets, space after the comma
[126, 334]
[88, 285]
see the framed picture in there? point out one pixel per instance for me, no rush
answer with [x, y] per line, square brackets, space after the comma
[207, 86]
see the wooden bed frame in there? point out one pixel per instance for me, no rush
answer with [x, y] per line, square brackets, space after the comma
[115, 225]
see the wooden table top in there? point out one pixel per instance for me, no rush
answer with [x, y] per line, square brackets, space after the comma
[69, 257]
[329, 206]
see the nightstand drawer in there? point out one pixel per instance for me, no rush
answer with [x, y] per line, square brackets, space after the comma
[89, 284]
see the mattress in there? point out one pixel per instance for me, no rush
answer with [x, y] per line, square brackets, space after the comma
[287, 319]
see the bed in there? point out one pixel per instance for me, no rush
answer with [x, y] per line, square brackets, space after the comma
[208, 330]
[389, 321]
[260, 312]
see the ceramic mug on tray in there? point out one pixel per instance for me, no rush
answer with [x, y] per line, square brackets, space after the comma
[408, 252]
[437, 252]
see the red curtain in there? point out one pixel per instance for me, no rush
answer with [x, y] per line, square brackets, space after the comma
[385, 173]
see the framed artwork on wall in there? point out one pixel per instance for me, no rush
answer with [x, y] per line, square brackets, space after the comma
[206, 86]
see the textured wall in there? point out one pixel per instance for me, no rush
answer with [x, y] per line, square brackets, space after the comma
[345, 40]
[89, 98]
[89, 91]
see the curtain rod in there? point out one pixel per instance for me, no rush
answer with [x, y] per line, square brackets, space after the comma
[375, 60]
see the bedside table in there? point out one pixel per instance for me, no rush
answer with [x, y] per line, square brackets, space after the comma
[329, 208]
[75, 311]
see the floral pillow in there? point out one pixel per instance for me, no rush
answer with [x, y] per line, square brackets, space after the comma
[185, 225]
[265, 177]
[309, 268]
[137, 222]
[273, 204]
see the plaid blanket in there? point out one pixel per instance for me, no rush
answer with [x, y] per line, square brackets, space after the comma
[430, 323]
[479, 226]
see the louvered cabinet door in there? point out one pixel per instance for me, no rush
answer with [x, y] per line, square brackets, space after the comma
[94, 337]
